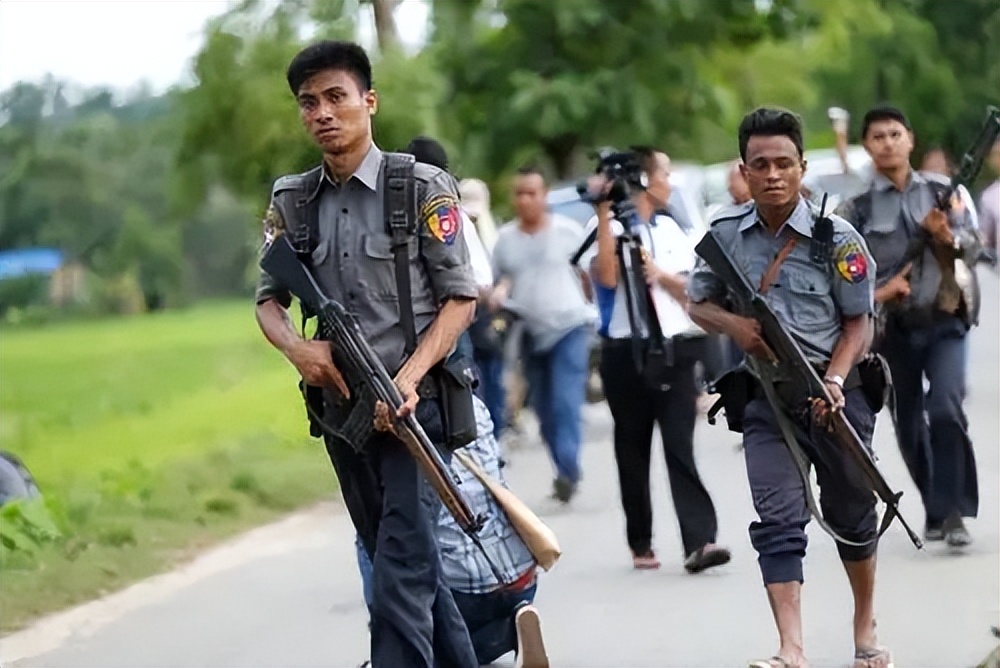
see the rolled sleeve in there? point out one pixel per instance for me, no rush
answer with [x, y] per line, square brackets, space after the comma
[854, 273]
[447, 262]
[703, 285]
[267, 286]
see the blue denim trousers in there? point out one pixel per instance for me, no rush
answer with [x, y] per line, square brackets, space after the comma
[557, 381]
[491, 388]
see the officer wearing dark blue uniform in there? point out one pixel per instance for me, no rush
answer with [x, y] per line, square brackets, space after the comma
[927, 315]
[826, 306]
[415, 622]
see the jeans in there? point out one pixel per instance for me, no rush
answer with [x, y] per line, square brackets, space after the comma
[414, 619]
[489, 617]
[558, 379]
[492, 390]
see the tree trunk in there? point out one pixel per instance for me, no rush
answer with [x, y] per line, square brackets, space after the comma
[560, 151]
[385, 24]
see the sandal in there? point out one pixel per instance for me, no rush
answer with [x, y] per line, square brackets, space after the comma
[774, 662]
[645, 562]
[876, 657]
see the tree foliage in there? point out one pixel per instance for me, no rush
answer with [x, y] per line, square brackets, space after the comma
[163, 193]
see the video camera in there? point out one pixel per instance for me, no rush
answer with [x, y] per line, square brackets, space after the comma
[622, 169]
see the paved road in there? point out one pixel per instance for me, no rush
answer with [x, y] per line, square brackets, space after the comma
[288, 595]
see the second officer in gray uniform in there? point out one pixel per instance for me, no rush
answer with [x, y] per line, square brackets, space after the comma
[335, 214]
[922, 252]
[826, 306]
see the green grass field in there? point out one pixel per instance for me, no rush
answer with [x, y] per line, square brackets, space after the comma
[150, 437]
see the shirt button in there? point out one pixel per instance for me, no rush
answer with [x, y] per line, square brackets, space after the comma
[343, 210]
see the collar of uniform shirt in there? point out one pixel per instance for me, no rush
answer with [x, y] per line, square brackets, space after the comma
[881, 182]
[366, 173]
[801, 220]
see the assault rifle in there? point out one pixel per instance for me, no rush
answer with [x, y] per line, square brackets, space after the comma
[366, 375]
[969, 168]
[794, 371]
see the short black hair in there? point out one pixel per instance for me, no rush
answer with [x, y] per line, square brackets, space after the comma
[428, 151]
[883, 112]
[529, 168]
[770, 123]
[646, 156]
[330, 55]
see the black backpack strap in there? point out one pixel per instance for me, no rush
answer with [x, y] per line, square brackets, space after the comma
[400, 209]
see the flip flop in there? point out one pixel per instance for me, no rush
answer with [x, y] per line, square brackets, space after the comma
[876, 657]
[774, 662]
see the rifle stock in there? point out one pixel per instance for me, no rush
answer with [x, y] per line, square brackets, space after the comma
[794, 367]
[367, 372]
[537, 536]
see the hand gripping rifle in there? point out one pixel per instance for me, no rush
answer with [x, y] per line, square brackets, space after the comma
[793, 368]
[364, 367]
[968, 169]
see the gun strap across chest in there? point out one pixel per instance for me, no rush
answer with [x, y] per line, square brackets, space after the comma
[400, 209]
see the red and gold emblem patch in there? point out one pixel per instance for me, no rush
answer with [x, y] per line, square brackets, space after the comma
[851, 262]
[444, 218]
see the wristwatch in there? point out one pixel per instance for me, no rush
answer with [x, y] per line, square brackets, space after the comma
[836, 380]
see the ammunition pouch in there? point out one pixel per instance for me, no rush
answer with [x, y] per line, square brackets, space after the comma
[456, 381]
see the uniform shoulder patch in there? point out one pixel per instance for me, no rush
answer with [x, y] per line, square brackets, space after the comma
[443, 218]
[851, 261]
[274, 225]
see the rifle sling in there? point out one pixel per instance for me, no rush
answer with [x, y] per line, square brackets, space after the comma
[802, 462]
[770, 275]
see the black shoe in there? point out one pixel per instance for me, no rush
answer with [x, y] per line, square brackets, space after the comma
[955, 533]
[563, 489]
[705, 557]
[933, 531]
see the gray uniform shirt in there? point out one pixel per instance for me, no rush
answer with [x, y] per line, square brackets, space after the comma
[895, 219]
[353, 261]
[810, 299]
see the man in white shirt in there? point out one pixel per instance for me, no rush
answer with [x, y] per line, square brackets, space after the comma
[636, 399]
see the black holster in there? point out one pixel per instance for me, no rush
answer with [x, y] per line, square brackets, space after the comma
[736, 388]
[456, 381]
[876, 380]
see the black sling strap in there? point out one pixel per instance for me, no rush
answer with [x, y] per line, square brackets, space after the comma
[400, 209]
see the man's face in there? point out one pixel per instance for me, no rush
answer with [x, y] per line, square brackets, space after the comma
[995, 156]
[889, 144]
[658, 184]
[335, 111]
[529, 196]
[773, 170]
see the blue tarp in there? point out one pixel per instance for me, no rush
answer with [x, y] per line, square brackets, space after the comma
[23, 261]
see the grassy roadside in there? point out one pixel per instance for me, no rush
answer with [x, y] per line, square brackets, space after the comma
[150, 437]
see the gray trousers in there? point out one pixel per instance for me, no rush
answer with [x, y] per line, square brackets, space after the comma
[931, 428]
[847, 504]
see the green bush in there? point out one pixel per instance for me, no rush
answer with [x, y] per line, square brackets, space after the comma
[18, 293]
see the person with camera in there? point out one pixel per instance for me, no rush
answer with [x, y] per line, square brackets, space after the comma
[817, 275]
[536, 281]
[648, 316]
